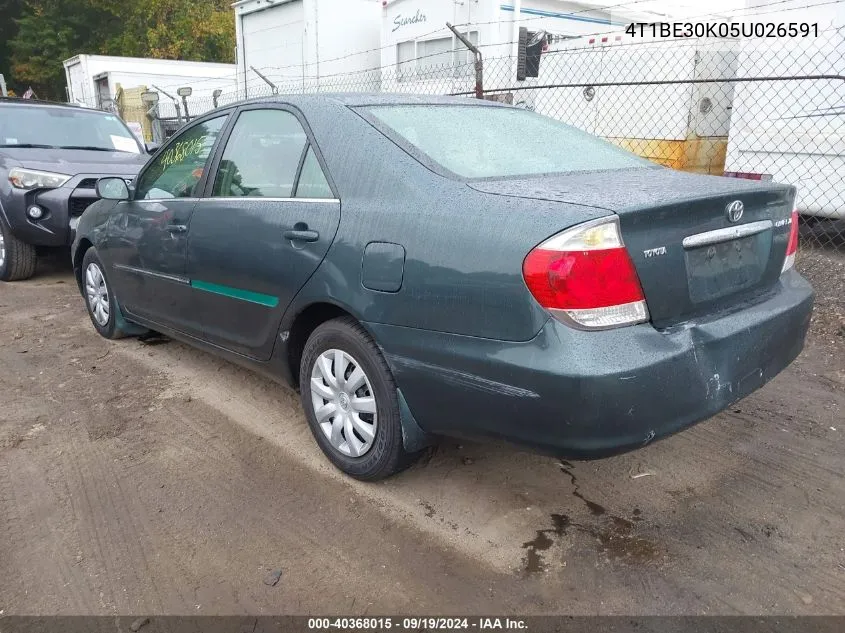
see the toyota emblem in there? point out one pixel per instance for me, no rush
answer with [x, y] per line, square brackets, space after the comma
[735, 210]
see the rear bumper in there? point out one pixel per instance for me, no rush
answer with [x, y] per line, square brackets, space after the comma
[591, 394]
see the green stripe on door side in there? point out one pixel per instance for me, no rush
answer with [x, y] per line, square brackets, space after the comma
[236, 293]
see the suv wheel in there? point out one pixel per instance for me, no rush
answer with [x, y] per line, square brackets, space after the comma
[17, 258]
[350, 401]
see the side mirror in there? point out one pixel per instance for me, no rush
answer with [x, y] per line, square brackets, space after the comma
[152, 148]
[112, 189]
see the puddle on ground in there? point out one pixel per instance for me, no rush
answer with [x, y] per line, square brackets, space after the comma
[612, 536]
[543, 540]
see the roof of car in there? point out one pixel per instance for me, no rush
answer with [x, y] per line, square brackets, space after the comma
[36, 102]
[364, 99]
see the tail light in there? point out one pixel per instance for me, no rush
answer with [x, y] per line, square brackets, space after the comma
[585, 277]
[792, 245]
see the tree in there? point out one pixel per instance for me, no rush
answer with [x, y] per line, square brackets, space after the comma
[9, 10]
[49, 31]
[179, 29]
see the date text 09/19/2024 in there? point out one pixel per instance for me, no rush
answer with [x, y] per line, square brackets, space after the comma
[417, 623]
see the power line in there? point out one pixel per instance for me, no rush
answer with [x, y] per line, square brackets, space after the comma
[729, 14]
[615, 6]
[443, 28]
[725, 14]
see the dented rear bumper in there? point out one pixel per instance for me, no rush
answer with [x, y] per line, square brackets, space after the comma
[592, 394]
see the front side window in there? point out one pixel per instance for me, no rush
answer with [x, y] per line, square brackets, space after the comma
[262, 156]
[176, 171]
[496, 142]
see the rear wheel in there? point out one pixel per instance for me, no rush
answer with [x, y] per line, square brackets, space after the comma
[17, 258]
[99, 299]
[350, 401]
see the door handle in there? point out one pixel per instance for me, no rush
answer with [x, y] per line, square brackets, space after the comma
[177, 228]
[302, 235]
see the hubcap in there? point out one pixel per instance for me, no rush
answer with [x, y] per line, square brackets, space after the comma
[97, 293]
[2, 249]
[344, 402]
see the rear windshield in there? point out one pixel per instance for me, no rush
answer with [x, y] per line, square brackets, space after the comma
[490, 142]
[55, 127]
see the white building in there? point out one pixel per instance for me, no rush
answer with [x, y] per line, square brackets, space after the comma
[296, 43]
[92, 80]
[306, 45]
[416, 42]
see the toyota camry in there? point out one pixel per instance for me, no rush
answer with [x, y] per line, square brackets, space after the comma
[421, 267]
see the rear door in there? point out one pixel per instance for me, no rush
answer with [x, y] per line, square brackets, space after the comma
[266, 224]
[148, 235]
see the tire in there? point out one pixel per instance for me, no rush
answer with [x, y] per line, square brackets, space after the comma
[377, 457]
[17, 259]
[99, 297]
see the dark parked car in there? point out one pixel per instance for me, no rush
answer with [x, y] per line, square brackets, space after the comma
[50, 158]
[423, 266]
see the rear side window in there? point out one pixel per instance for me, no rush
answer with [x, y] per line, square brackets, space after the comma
[262, 156]
[496, 142]
[312, 181]
[177, 170]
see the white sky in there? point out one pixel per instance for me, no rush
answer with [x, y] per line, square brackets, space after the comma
[684, 8]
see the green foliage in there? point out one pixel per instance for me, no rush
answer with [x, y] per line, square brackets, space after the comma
[181, 29]
[9, 12]
[46, 32]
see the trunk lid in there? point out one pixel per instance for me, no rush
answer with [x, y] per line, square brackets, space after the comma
[691, 258]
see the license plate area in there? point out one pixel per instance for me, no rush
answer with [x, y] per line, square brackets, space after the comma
[718, 270]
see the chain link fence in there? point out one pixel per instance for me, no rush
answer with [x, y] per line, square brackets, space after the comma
[727, 107]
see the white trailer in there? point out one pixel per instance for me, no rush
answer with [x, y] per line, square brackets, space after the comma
[642, 95]
[421, 55]
[793, 130]
[92, 80]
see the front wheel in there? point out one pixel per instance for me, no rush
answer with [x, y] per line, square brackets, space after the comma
[17, 258]
[99, 298]
[350, 401]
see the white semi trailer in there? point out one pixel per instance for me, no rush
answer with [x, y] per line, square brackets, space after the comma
[790, 129]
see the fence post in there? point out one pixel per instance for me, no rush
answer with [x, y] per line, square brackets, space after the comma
[175, 104]
[158, 132]
[479, 62]
[267, 81]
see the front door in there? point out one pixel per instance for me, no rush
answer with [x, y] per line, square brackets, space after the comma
[148, 237]
[267, 225]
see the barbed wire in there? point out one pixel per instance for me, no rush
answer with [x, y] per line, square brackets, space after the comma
[444, 28]
[728, 13]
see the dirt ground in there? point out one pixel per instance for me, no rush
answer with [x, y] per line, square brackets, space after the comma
[156, 479]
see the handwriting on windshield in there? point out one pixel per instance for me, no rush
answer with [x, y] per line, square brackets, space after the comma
[182, 150]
